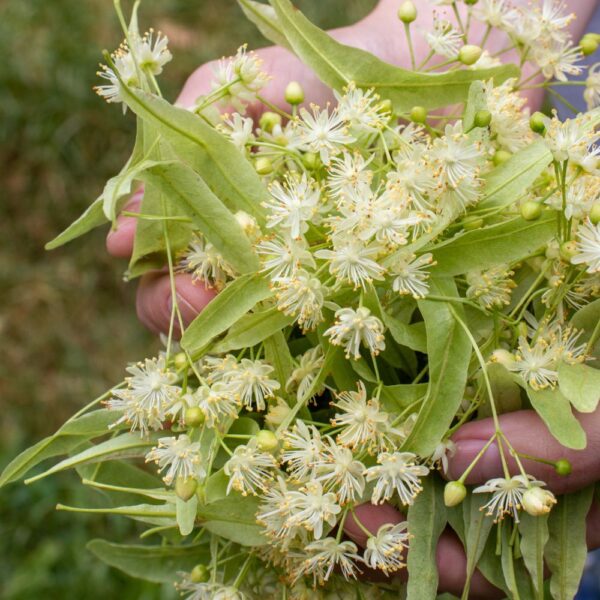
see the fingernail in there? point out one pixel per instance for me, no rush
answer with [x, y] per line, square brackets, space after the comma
[488, 466]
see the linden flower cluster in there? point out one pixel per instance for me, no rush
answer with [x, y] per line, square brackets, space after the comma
[397, 275]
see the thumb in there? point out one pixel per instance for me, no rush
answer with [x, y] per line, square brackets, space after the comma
[528, 435]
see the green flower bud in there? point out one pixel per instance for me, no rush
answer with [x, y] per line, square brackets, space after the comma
[200, 574]
[294, 94]
[482, 118]
[588, 45]
[537, 123]
[418, 114]
[269, 120]
[454, 493]
[563, 467]
[503, 357]
[185, 488]
[311, 161]
[472, 223]
[522, 329]
[469, 54]
[194, 417]
[267, 441]
[180, 361]
[531, 210]
[263, 165]
[537, 501]
[568, 250]
[407, 12]
[595, 213]
[386, 105]
[501, 157]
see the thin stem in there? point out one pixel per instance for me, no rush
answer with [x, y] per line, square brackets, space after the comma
[410, 45]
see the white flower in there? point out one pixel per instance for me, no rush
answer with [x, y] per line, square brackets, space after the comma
[275, 510]
[588, 247]
[283, 257]
[239, 130]
[304, 374]
[569, 140]
[322, 556]
[323, 133]
[353, 327]
[180, 455]
[150, 393]
[348, 173]
[292, 204]
[537, 364]
[558, 59]
[352, 261]
[216, 402]
[208, 591]
[361, 109]
[303, 450]
[151, 52]
[592, 87]
[444, 39]
[491, 288]
[125, 67]
[444, 450]
[496, 13]
[580, 196]
[249, 469]
[301, 296]
[396, 472]
[385, 551]
[411, 275]
[507, 495]
[311, 508]
[204, 262]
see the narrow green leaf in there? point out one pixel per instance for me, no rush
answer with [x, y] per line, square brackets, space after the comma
[225, 310]
[265, 19]
[337, 65]
[449, 353]
[510, 181]
[493, 245]
[555, 411]
[188, 195]
[253, 329]
[277, 354]
[580, 384]
[534, 536]
[92, 217]
[412, 336]
[159, 564]
[426, 521]
[222, 166]
[566, 550]
[186, 514]
[515, 575]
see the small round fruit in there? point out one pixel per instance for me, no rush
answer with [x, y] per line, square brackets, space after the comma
[454, 493]
[200, 574]
[294, 94]
[531, 210]
[418, 114]
[501, 157]
[537, 122]
[194, 417]
[407, 12]
[269, 120]
[263, 165]
[482, 118]
[267, 441]
[563, 467]
[469, 54]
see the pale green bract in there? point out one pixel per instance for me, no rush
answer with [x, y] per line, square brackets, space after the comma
[380, 276]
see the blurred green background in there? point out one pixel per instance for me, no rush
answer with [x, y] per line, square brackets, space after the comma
[67, 320]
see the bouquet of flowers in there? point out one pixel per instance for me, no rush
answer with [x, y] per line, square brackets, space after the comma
[383, 274]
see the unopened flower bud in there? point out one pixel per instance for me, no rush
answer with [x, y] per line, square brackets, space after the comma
[531, 210]
[482, 118]
[200, 574]
[472, 223]
[269, 120]
[522, 329]
[407, 12]
[386, 105]
[418, 114]
[563, 467]
[267, 441]
[185, 488]
[454, 493]
[263, 165]
[469, 54]
[180, 361]
[311, 161]
[595, 213]
[247, 222]
[588, 44]
[194, 417]
[537, 123]
[537, 501]
[294, 94]
[568, 250]
[503, 357]
[501, 156]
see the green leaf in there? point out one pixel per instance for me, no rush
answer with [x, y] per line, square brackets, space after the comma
[566, 550]
[92, 217]
[395, 398]
[580, 384]
[188, 195]
[534, 536]
[186, 514]
[426, 521]
[511, 180]
[337, 65]
[234, 518]
[506, 392]
[475, 102]
[66, 439]
[449, 354]
[159, 564]
[517, 581]
[225, 310]
[497, 244]
[277, 354]
[222, 166]
[588, 320]
[412, 336]
[265, 19]
[555, 411]
[253, 329]
[126, 445]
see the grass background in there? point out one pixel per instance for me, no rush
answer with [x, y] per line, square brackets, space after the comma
[67, 321]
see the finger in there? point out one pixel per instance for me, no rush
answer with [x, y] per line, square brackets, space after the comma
[154, 302]
[450, 556]
[528, 435]
[119, 241]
